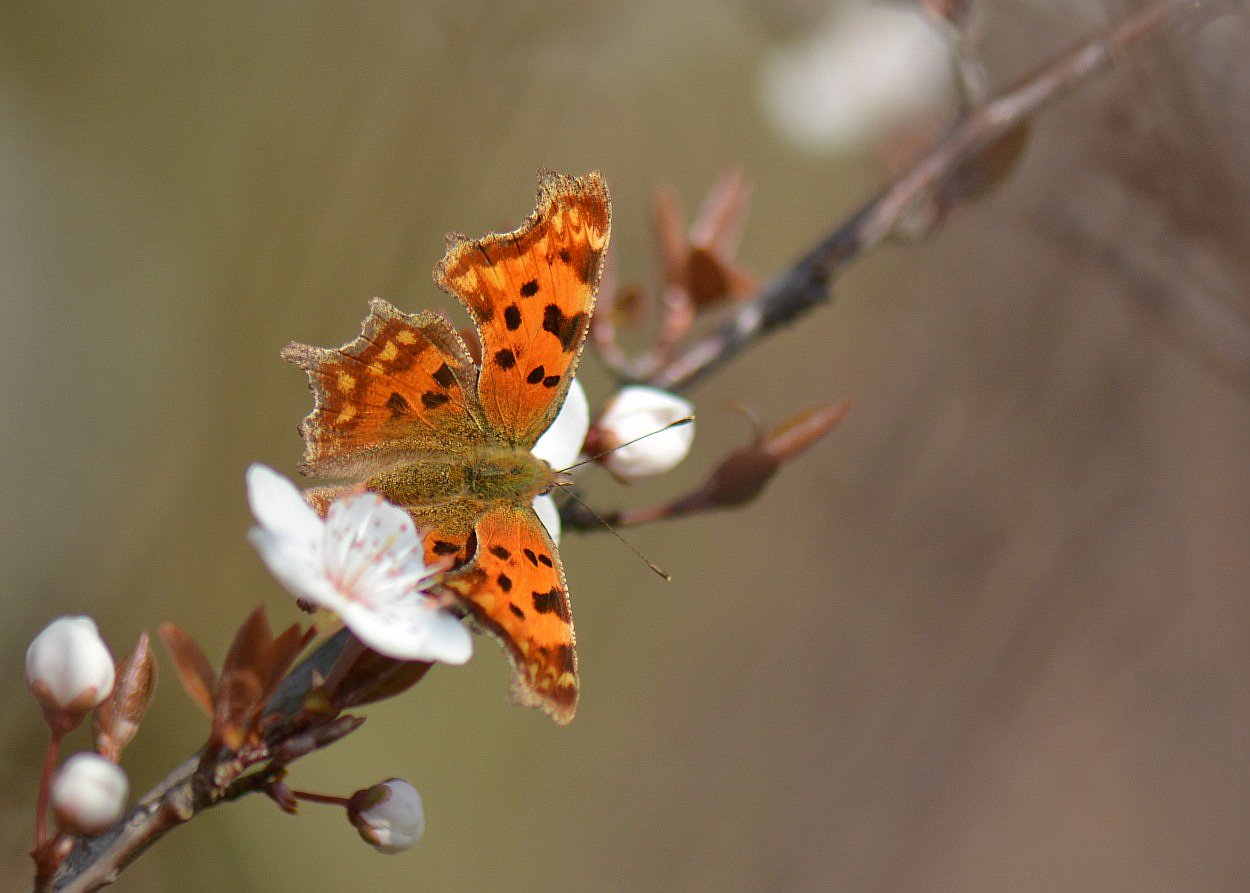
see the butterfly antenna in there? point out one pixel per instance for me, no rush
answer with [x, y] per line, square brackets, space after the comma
[628, 545]
[688, 420]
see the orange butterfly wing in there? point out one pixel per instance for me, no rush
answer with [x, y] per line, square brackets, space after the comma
[515, 590]
[403, 389]
[531, 293]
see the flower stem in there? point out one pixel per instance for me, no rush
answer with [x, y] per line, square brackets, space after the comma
[45, 788]
[319, 798]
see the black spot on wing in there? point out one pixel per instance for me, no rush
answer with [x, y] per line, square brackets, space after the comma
[512, 317]
[500, 552]
[550, 602]
[529, 289]
[520, 615]
[442, 547]
[505, 358]
[444, 376]
[397, 404]
[434, 399]
[567, 329]
[505, 582]
[536, 375]
[582, 263]
[551, 381]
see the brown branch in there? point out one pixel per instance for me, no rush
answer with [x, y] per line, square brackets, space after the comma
[807, 283]
[97, 861]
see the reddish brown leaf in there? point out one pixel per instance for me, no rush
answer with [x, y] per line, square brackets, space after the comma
[718, 229]
[241, 686]
[374, 677]
[986, 170]
[193, 669]
[796, 434]
[117, 718]
[282, 654]
[670, 236]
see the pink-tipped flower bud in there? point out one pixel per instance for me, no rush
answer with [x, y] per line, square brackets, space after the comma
[70, 670]
[88, 794]
[643, 412]
[389, 816]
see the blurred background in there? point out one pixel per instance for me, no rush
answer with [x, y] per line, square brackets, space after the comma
[992, 634]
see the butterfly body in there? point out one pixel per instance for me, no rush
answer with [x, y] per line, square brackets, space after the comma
[406, 409]
[484, 475]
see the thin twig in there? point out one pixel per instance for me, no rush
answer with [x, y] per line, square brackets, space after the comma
[808, 282]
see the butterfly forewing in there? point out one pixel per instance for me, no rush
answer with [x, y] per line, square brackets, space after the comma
[402, 389]
[531, 293]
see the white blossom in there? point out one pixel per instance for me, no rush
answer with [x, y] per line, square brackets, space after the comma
[69, 667]
[389, 816]
[870, 70]
[559, 447]
[88, 794]
[365, 562]
[643, 412]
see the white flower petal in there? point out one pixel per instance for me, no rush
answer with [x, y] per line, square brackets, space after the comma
[279, 506]
[561, 443]
[418, 631]
[545, 508]
[299, 570]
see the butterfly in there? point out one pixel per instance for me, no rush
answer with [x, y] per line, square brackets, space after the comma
[406, 409]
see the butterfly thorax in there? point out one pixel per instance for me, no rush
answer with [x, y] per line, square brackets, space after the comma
[488, 474]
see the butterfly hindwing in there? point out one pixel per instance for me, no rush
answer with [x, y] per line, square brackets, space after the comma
[531, 293]
[514, 589]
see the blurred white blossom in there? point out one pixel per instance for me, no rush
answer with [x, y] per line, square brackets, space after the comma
[88, 794]
[365, 562]
[559, 447]
[69, 668]
[871, 69]
[389, 816]
[642, 412]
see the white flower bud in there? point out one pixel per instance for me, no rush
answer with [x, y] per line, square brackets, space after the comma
[88, 794]
[389, 816]
[638, 411]
[69, 669]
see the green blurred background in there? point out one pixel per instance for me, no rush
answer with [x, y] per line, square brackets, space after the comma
[993, 634]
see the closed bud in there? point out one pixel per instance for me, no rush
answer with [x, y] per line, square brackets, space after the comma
[88, 794]
[389, 816]
[70, 670]
[641, 414]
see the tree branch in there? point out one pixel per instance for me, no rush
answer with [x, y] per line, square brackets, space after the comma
[808, 282]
